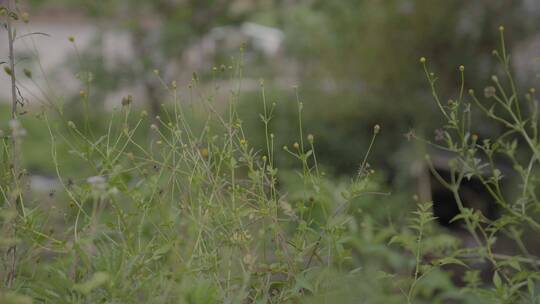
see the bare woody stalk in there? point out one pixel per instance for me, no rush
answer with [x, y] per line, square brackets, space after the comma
[12, 251]
[11, 40]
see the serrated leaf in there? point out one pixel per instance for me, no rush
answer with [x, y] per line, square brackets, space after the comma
[450, 260]
[384, 275]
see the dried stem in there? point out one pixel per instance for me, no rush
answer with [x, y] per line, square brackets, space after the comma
[12, 251]
[11, 40]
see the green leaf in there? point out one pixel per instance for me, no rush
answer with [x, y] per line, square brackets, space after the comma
[450, 260]
[381, 275]
[97, 280]
[497, 280]
[303, 283]
[514, 264]
[394, 239]
[161, 251]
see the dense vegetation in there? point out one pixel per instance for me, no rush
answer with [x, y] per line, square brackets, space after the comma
[191, 206]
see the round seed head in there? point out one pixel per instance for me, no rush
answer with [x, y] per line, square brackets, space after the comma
[25, 17]
[27, 73]
[376, 129]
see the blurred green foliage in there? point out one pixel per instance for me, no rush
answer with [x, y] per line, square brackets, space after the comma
[359, 65]
[356, 61]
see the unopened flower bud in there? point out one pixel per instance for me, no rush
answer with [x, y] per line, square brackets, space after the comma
[27, 73]
[25, 17]
[204, 152]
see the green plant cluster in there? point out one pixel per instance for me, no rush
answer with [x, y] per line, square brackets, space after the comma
[182, 208]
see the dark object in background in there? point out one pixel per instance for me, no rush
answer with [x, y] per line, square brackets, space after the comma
[472, 194]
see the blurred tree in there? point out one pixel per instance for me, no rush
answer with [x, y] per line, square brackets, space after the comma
[160, 30]
[359, 64]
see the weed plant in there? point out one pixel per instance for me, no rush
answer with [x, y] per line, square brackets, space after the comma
[181, 208]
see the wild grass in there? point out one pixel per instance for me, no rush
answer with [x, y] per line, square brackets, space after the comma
[182, 208]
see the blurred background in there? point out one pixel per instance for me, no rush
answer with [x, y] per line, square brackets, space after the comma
[355, 63]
